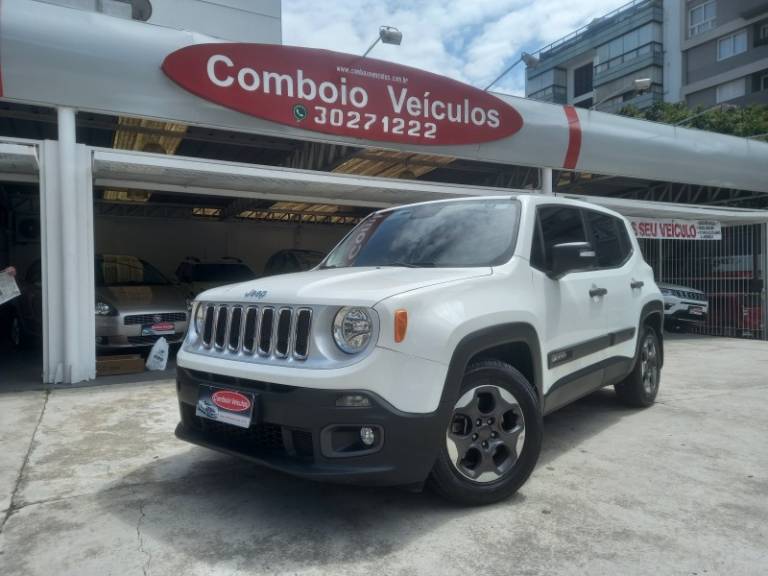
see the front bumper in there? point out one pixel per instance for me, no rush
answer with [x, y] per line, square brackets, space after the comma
[683, 311]
[293, 427]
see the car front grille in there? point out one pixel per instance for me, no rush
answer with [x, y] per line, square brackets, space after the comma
[140, 340]
[155, 318]
[260, 440]
[280, 332]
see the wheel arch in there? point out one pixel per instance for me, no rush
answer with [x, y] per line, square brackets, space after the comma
[652, 315]
[516, 343]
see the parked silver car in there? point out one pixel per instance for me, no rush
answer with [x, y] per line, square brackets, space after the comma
[135, 305]
[683, 305]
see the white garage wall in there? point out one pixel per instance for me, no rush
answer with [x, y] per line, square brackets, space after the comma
[165, 243]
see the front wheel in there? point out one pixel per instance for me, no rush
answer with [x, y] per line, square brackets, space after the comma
[493, 438]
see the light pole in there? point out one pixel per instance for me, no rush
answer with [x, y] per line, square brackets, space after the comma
[529, 59]
[387, 35]
[639, 85]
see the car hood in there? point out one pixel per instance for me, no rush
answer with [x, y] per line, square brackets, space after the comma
[339, 286]
[165, 298]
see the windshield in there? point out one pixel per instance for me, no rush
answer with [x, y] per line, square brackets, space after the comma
[127, 271]
[448, 235]
[221, 273]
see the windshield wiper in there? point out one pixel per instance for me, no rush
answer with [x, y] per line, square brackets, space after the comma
[410, 264]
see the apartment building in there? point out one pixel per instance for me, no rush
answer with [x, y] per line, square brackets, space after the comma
[704, 52]
[725, 52]
[597, 65]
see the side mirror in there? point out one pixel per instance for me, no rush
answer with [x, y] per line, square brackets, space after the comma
[572, 257]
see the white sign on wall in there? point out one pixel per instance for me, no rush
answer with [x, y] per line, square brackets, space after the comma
[667, 229]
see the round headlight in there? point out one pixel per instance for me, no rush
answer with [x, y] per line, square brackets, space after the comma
[199, 317]
[352, 329]
[104, 309]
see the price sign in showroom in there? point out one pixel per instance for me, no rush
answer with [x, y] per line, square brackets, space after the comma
[341, 94]
[676, 229]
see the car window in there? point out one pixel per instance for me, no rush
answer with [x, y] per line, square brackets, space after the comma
[604, 229]
[626, 243]
[275, 264]
[559, 225]
[308, 260]
[220, 272]
[35, 273]
[126, 271]
[443, 234]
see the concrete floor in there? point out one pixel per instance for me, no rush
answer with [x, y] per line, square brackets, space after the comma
[92, 481]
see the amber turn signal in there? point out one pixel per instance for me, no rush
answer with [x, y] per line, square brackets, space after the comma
[401, 325]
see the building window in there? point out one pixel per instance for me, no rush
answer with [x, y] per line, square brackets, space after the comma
[582, 80]
[764, 83]
[701, 18]
[731, 90]
[635, 44]
[764, 32]
[731, 45]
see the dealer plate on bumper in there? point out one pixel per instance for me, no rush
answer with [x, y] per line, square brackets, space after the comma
[696, 311]
[227, 406]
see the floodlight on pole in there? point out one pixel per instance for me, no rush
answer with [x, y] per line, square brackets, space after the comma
[639, 85]
[387, 35]
[529, 59]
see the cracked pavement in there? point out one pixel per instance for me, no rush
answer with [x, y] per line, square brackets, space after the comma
[93, 482]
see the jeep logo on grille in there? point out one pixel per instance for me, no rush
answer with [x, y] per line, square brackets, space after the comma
[256, 294]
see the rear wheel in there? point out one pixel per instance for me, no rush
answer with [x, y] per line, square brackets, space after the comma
[16, 332]
[640, 388]
[493, 437]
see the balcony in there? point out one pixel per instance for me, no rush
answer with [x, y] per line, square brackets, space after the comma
[642, 57]
[554, 94]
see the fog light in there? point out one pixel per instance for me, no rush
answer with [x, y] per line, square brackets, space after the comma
[353, 401]
[367, 435]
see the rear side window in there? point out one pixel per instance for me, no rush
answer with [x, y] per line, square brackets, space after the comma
[608, 238]
[557, 225]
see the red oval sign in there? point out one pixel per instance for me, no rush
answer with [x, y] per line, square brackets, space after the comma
[232, 401]
[341, 94]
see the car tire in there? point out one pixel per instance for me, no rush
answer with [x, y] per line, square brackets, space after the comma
[16, 336]
[482, 464]
[640, 388]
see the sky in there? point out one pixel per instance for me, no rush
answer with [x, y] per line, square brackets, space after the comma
[469, 40]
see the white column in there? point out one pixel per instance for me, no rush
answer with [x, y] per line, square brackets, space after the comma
[69, 224]
[546, 181]
[66, 192]
[764, 276]
[51, 259]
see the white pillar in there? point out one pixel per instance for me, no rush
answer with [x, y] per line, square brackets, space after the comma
[764, 277]
[546, 181]
[69, 224]
[66, 192]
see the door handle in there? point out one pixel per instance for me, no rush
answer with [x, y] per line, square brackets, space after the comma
[636, 284]
[594, 292]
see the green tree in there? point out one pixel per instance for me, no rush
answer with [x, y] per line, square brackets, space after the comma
[737, 121]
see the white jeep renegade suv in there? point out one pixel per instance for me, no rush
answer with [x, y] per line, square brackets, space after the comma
[427, 346]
